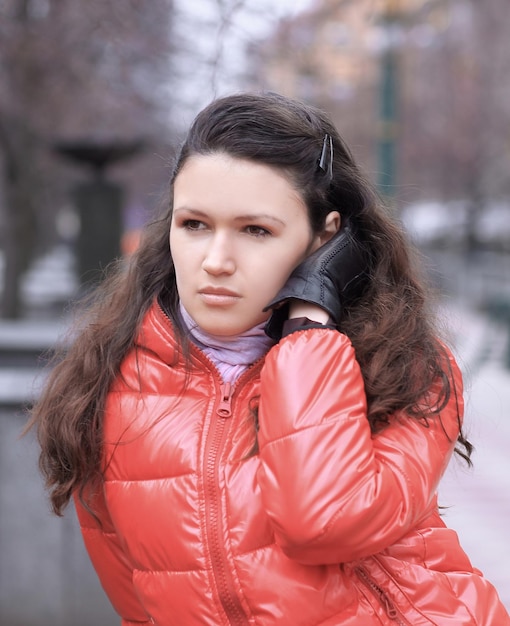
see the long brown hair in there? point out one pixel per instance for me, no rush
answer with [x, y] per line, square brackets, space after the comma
[389, 326]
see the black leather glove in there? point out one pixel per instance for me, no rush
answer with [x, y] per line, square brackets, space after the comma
[331, 277]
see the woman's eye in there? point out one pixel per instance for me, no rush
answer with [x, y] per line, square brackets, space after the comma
[193, 225]
[257, 231]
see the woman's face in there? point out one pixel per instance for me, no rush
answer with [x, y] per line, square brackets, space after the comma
[238, 230]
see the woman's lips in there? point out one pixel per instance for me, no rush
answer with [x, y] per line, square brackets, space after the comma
[218, 297]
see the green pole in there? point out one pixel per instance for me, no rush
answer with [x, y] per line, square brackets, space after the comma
[388, 124]
[388, 92]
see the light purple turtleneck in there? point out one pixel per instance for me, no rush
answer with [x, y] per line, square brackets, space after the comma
[232, 355]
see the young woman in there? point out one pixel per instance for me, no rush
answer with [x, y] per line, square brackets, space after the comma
[254, 419]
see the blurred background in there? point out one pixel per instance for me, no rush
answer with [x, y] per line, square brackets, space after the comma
[95, 96]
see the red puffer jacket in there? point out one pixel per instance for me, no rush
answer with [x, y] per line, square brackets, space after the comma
[325, 525]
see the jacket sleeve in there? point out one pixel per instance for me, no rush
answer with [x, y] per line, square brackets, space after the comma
[333, 491]
[110, 561]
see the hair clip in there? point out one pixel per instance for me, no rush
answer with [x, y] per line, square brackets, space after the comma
[326, 158]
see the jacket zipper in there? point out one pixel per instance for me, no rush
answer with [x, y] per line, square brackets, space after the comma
[221, 567]
[391, 610]
[214, 444]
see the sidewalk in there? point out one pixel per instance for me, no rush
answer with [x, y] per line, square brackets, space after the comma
[478, 499]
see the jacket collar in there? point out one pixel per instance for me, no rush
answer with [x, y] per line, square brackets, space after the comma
[157, 335]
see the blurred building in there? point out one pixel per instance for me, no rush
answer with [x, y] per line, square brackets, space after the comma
[323, 56]
[450, 66]
[331, 56]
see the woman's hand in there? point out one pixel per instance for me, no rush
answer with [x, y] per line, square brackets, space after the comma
[328, 279]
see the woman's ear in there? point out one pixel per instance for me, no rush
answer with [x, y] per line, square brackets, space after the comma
[331, 227]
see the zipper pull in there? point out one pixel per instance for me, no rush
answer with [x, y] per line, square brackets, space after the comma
[384, 599]
[224, 409]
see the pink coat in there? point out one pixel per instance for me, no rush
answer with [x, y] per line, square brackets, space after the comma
[326, 525]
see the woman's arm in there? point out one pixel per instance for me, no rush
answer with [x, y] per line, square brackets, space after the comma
[110, 562]
[333, 491]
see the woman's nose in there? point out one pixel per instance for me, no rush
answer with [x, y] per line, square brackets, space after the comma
[219, 257]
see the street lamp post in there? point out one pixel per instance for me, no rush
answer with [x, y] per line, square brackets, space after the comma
[99, 204]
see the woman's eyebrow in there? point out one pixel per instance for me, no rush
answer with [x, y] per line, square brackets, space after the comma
[239, 218]
[189, 210]
[259, 216]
